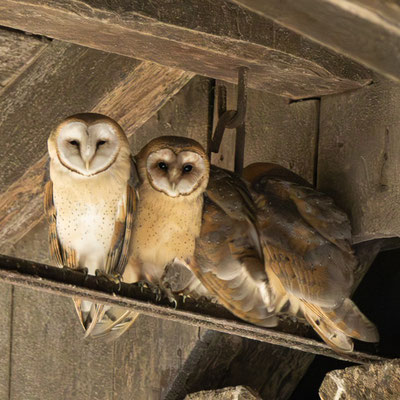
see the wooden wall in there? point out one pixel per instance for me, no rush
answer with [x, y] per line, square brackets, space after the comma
[48, 359]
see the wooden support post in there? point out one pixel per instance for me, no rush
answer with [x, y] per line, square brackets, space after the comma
[364, 30]
[359, 157]
[207, 37]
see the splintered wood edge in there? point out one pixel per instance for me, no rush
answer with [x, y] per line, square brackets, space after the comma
[70, 283]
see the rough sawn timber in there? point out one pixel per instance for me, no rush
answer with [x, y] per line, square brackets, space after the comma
[17, 52]
[367, 31]
[359, 157]
[207, 37]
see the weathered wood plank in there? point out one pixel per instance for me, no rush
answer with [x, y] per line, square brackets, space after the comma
[220, 360]
[64, 80]
[6, 292]
[50, 360]
[17, 52]
[207, 315]
[276, 131]
[359, 157]
[207, 37]
[365, 30]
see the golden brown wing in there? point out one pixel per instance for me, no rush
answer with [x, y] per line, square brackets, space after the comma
[62, 256]
[308, 257]
[305, 239]
[226, 260]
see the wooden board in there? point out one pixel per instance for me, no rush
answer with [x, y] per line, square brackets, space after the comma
[207, 37]
[276, 131]
[359, 157]
[221, 360]
[5, 338]
[17, 52]
[367, 31]
[66, 79]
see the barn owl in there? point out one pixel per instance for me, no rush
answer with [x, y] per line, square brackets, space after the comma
[307, 254]
[173, 173]
[174, 181]
[90, 202]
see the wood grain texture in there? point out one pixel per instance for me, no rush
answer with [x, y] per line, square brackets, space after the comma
[17, 52]
[365, 30]
[221, 360]
[6, 292]
[50, 359]
[276, 131]
[359, 157]
[64, 80]
[207, 37]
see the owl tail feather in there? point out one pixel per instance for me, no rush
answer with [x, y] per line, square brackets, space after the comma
[100, 321]
[337, 327]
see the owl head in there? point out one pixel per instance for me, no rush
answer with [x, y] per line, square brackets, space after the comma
[175, 166]
[88, 144]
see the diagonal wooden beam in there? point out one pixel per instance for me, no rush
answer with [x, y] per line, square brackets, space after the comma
[17, 52]
[64, 80]
[366, 31]
[207, 37]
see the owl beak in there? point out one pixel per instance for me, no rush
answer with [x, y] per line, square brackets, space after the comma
[87, 156]
[173, 178]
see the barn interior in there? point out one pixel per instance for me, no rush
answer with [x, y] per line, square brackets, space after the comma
[323, 99]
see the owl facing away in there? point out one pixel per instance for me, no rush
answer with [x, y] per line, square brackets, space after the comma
[90, 202]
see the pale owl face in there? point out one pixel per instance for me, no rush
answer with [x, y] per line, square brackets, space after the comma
[87, 146]
[175, 166]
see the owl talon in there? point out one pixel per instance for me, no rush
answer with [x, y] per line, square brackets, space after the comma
[114, 278]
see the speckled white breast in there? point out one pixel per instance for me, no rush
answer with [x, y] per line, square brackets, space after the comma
[86, 213]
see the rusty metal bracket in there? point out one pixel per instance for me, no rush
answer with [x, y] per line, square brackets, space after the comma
[66, 282]
[232, 119]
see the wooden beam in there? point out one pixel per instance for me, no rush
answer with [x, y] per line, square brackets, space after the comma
[220, 360]
[5, 339]
[359, 157]
[17, 52]
[70, 283]
[207, 37]
[64, 80]
[365, 30]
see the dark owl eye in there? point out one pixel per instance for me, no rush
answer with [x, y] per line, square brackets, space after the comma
[74, 143]
[187, 168]
[162, 165]
[100, 143]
